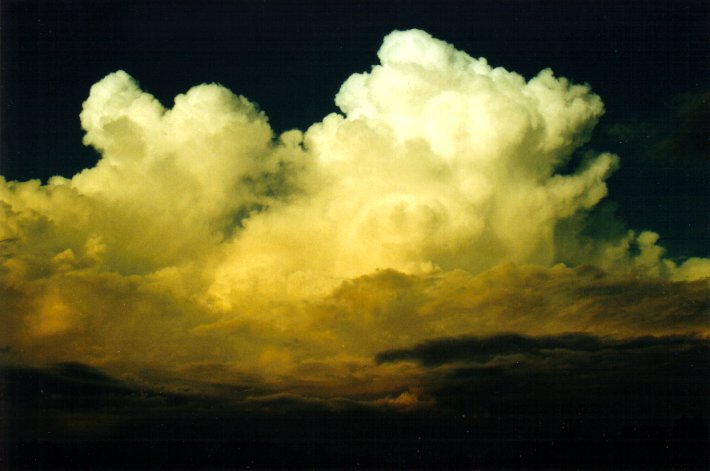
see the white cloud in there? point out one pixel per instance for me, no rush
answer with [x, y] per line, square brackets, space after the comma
[199, 231]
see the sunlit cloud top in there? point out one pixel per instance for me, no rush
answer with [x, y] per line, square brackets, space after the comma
[430, 206]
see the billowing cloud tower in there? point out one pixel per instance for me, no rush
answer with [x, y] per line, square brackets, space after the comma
[436, 204]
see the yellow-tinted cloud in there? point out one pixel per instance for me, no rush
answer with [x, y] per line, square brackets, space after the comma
[201, 244]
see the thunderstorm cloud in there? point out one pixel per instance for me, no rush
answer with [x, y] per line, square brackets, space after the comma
[448, 198]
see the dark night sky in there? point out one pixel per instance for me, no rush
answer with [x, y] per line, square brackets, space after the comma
[642, 58]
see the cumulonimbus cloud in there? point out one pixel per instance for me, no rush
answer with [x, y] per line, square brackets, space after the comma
[431, 206]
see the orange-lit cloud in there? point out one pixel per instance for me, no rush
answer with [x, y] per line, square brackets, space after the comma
[203, 246]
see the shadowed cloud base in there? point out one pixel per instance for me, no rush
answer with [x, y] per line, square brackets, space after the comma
[505, 400]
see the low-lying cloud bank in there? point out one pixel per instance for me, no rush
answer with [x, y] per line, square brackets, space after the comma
[202, 247]
[480, 401]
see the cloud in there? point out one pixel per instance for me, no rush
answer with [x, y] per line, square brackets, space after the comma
[557, 405]
[427, 167]
[201, 244]
[483, 349]
[388, 309]
[573, 384]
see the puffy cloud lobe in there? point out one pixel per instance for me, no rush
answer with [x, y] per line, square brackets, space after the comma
[467, 110]
[170, 184]
[456, 158]
[202, 233]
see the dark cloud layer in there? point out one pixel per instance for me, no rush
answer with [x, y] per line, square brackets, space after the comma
[569, 376]
[484, 349]
[505, 400]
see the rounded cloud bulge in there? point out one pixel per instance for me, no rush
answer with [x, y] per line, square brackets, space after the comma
[199, 227]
